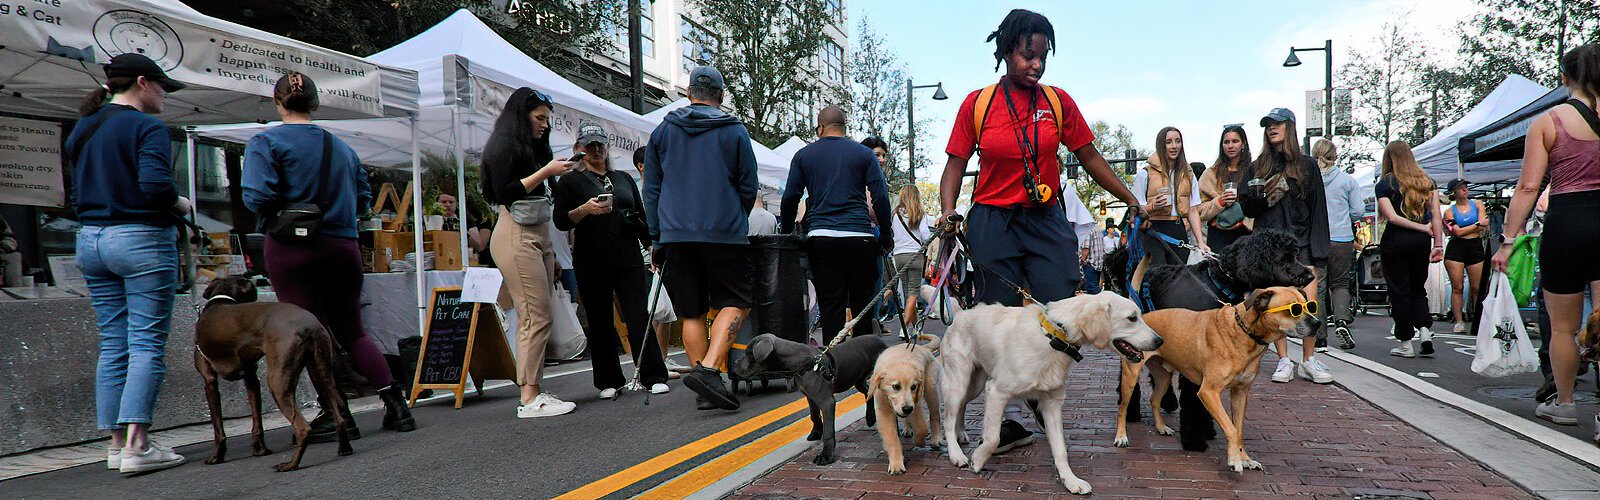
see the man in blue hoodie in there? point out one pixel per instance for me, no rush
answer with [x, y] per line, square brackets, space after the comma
[835, 173]
[699, 186]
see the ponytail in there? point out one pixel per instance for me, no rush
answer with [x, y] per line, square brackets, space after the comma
[100, 96]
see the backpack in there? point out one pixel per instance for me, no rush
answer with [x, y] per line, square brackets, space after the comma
[980, 112]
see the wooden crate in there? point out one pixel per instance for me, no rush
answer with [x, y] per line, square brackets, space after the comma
[446, 248]
[388, 246]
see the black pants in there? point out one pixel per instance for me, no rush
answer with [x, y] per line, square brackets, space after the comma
[844, 270]
[1405, 266]
[1162, 253]
[631, 284]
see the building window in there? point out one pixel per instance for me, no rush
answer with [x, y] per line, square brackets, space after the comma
[832, 8]
[698, 44]
[832, 63]
[647, 30]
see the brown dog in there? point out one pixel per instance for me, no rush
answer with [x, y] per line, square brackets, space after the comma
[903, 385]
[1217, 349]
[234, 333]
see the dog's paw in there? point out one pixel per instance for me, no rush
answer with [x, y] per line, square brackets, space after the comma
[1251, 464]
[261, 451]
[823, 460]
[958, 460]
[814, 436]
[1165, 431]
[286, 467]
[346, 451]
[1240, 465]
[906, 432]
[1120, 442]
[1077, 486]
[896, 469]
[215, 459]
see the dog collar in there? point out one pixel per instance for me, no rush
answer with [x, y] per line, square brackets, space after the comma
[1247, 331]
[1058, 338]
[215, 297]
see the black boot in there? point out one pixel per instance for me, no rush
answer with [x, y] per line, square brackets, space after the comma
[323, 429]
[396, 414]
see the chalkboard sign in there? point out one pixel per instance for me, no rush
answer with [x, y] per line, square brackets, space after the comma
[447, 342]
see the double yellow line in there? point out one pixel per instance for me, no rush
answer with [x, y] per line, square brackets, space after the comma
[714, 470]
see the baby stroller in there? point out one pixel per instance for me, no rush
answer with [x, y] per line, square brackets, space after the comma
[1372, 290]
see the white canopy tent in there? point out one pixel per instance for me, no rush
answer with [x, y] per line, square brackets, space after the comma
[1439, 156]
[790, 147]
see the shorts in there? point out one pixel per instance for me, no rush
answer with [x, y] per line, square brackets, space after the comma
[1468, 251]
[911, 276]
[700, 277]
[1033, 247]
[1566, 250]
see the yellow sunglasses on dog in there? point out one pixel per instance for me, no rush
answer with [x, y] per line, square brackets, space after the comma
[1297, 309]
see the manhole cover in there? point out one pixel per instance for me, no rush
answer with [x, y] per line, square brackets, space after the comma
[1524, 393]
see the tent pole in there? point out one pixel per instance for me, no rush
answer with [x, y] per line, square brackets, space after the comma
[193, 265]
[461, 184]
[417, 227]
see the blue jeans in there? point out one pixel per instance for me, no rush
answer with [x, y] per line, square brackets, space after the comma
[1091, 279]
[132, 273]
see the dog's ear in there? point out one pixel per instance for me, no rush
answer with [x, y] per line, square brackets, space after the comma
[247, 291]
[1261, 300]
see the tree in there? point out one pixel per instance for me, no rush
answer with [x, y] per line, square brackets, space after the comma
[1387, 79]
[1522, 37]
[767, 51]
[1113, 142]
[877, 102]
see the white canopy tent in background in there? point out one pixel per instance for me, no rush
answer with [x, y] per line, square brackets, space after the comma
[789, 148]
[1439, 156]
[771, 168]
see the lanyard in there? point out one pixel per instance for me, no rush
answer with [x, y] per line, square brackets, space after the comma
[1029, 148]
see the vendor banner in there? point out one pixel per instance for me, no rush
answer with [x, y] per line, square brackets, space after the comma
[171, 34]
[30, 163]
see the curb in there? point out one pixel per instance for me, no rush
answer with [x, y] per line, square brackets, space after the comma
[749, 473]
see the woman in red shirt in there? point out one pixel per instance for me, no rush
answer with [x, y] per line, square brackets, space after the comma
[1017, 227]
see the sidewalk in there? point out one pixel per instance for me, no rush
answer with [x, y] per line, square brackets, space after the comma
[1312, 440]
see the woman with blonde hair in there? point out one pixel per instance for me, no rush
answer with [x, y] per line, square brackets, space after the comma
[912, 228]
[1408, 200]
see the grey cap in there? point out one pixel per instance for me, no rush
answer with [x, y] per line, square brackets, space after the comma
[706, 76]
[591, 132]
[1277, 115]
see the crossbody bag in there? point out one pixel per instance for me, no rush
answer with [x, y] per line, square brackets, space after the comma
[301, 222]
[533, 210]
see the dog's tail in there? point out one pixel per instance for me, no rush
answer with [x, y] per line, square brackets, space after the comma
[932, 341]
[1195, 425]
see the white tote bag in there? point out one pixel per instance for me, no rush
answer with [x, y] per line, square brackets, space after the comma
[660, 304]
[567, 340]
[1503, 345]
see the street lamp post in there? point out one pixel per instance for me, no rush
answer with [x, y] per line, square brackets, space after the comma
[911, 123]
[1327, 88]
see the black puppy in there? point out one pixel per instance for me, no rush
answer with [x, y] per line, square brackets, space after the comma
[849, 364]
[1264, 259]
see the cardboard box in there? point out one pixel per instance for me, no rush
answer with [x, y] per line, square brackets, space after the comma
[390, 245]
[446, 248]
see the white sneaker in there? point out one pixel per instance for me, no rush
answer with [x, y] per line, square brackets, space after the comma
[1285, 371]
[1314, 370]
[1405, 350]
[1557, 413]
[545, 405]
[1461, 327]
[660, 389]
[113, 458]
[608, 394]
[155, 457]
[1426, 336]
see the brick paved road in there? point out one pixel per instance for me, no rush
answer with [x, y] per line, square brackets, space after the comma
[1317, 441]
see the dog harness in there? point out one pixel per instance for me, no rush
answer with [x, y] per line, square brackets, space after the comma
[1058, 338]
[1247, 331]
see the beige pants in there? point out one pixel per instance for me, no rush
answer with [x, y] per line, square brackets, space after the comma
[529, 265]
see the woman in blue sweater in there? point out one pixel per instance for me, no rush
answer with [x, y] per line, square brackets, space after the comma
[300, 163]
[125, 198]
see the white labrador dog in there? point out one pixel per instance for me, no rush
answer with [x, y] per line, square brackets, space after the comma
[1006, 353]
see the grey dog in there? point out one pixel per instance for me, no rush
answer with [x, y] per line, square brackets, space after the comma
[849, 364]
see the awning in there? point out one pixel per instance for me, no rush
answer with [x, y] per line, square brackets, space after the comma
[1439, 156]
[1502, 140]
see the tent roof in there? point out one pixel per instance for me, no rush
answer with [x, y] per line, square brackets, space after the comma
[47, 69]
[790, 147]
[1503, 140]
[1439, 156]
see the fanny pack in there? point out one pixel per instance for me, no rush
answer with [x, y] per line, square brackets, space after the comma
[300, 222]
[533, 210]
[1230, 218]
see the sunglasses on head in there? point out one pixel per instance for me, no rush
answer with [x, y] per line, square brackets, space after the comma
[1232, 126]
[1297, 309]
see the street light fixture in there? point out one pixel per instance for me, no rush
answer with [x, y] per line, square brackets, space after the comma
[911, 123]
[1327, 89]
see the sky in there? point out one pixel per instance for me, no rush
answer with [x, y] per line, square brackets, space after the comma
[1150, 64]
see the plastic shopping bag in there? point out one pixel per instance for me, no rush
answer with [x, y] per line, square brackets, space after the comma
[567, 340]
[660, 304]
[1521, 267]
[1503, 346]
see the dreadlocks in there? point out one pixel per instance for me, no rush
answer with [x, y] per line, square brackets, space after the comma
[1018, 26]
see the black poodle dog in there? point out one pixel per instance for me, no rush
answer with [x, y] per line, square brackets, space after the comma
[1266, 258]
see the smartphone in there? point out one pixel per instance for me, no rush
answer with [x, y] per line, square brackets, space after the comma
[604, 198]
[577, 157]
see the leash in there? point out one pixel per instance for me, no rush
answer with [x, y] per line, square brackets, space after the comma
[826, 369]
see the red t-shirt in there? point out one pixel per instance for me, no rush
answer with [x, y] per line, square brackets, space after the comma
[1000, 165]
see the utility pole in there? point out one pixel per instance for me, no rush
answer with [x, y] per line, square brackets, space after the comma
[636, 56]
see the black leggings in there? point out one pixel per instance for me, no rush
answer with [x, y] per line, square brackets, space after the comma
[1162, 253]
[631, 286]
[1405, 266]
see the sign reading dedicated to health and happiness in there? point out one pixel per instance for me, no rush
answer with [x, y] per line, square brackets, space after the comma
[30, 163]
[94, 31]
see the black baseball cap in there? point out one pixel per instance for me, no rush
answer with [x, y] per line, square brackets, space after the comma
[1457, 183]
[134, 64]
[1277, 115]
[591, 132]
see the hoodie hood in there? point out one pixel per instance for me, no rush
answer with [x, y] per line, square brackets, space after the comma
[698, 119]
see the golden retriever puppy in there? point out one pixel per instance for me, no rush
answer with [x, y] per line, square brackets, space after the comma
[903, 386]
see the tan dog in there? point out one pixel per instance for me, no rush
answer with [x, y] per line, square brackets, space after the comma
[1217, 349]
[903, 385]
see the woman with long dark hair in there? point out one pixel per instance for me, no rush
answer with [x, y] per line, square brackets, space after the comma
[1565, 143]
[1408, 201]
[1282, 190]
[121, 160]
[299, 162]
[1170, 194]
[603, 209]
[1219, 195]
[1466, 222]
[517, 162]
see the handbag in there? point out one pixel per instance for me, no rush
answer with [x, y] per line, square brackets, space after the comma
[1502, 345]
[300, 222]
[1230, 218]
[533, 210]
